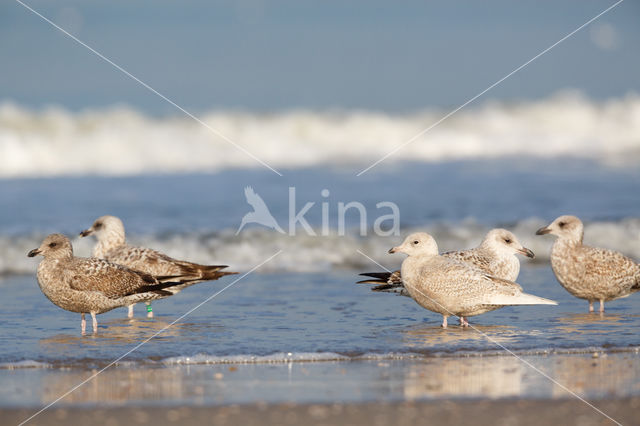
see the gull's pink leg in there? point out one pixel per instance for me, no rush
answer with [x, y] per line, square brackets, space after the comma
[95, 322]
[464, 322]
[83, 324]
[601, 305]
[590, 305]
[130, 313]
[444, 322]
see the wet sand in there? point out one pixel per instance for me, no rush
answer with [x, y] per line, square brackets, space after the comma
[485, 412]
[452, 390]
[597, 375]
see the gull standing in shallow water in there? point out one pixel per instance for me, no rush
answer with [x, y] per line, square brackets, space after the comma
[454, 288]
[588, 272]
[90, 285]
[113, 247]
[496, 255]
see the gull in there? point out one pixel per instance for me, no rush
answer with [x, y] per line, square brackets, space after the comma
[451, 287]
[112, 246]
[90, 285]
[496, 255]
[588, 272]
[260, 214]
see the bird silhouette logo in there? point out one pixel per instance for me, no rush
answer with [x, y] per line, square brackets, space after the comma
[260, 214]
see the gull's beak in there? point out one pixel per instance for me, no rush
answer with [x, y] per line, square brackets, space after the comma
[86, 232]
[526, 252]
[393, 250]
[33, 252]
[543, 231]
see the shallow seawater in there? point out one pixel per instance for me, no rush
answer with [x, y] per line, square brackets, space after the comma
[299, 328]
[325, 316]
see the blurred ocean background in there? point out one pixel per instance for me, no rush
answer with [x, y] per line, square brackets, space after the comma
[318, 91]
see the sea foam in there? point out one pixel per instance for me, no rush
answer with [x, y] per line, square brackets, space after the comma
[319, 254]
[123, 141]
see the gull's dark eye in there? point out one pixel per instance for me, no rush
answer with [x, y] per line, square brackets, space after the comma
[507, 240]
[416, 242]
[98, 225]
[561, 224]
[52, 245]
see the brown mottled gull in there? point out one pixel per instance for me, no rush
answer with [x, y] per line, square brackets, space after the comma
[452, 287]
[588, 272]
[113, 247]
[90, 285]
[496, 255]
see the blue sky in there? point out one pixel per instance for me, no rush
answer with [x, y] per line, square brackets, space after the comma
[254, 55]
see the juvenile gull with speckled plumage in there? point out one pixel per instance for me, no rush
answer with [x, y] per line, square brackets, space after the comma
[90, 285]
[112, 246]
[587, 272]
[454, 288]
[496, 255]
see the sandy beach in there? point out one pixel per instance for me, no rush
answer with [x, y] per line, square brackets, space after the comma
[481, 413]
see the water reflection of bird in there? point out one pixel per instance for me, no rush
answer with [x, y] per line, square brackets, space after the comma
[432, 336]
[120, 385]
[494, 377]
[588, 324]
[595, 375]
[260, 214]
[118, 331]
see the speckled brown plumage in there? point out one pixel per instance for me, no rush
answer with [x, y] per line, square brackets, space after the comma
[113, 247]
[454, 288]
[496, 255]
[590, 273]
[90, 285]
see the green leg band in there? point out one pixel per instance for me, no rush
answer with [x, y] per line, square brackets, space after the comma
[149, 308]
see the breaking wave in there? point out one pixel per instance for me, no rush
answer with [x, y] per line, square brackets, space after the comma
[312, 254]
[123, 141]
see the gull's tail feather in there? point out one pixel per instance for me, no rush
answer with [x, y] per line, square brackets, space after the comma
[386, 282]
[180, 282]
[214, 274]
[387, 288]
[162, 288]
[193, 272]
[212, 271]
[379, 277]
[383, 285]
[519, 299]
